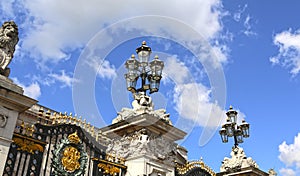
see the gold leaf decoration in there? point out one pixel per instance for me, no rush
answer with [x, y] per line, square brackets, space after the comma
[108, 169]
[27, 145]
[73, 138]
[70, 159]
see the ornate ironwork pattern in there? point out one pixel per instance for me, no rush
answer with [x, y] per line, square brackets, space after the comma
[69, 158]
[197, 172]
[56, 134]
[25, 154]
[30, 153]
[194, 168]
[27, 144]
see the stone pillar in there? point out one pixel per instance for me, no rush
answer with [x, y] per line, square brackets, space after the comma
[146, 165]
[12, 103]
[145, 140]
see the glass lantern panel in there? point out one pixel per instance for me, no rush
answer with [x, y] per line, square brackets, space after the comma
[131, 84]
[232, 114]
[245, 132]
[132, 72]
[154, 86]
[233, 118]
[144, 57]
[223, 134]
[239, 136]
[155, 67]
[245, 128]
[228, 126]
[131, 76]
[224, 138]
[240, 139]
[131, 64]
[229, 131]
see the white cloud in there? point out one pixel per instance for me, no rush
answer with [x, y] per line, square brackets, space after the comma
[245, 19]
[274, 60]
[33, 90]
[290, 156]
[7, 5]
[238, 14]
[192, 99]
[289, 50]
[287, 172]
[103, 68]
[54, 30]
[64, 78]
[193, 102]
[248, 27]
[218, 52]
[176, 70]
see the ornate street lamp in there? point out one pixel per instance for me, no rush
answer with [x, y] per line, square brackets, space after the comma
[232, 129]
[146, 71]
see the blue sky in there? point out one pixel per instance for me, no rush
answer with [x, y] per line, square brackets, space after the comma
[217, 53]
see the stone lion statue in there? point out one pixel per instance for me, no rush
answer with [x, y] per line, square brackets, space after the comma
[8, 40]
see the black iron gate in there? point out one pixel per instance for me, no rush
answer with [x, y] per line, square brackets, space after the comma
[43, 150]
[22, 157]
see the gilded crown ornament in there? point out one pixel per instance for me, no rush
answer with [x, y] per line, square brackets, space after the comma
[73, 138]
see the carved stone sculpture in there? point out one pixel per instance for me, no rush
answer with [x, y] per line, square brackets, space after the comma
[3, 116]
[142, 104]
[237, 161]
[143, 142]
[3, 120]
[8, 40]
[272, 172]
